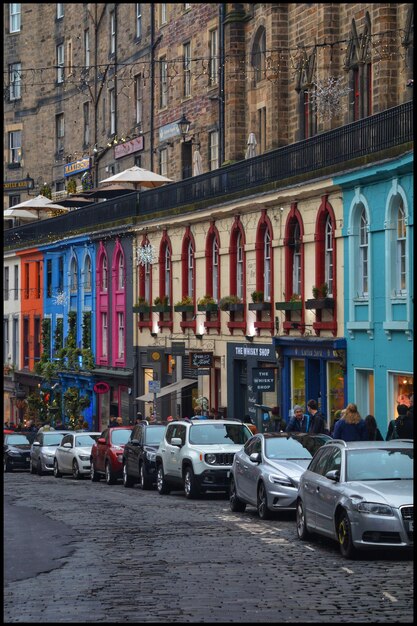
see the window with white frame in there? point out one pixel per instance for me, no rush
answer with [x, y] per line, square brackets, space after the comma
[213, 56]
[15, 355]
[120, 335]
[163, 162]
[138, 98]
[60, 132]
[112, 99]
[363, 254]
[190, 270]
[121, 272]
[267, 266]
[147, 285]
[69, 57]
[186, 53]
[214, 150]
[167, 272]
[60, 273]
[296, 261]
[163, 82]
[328, 256]
[60, 57]
[73, 275]
[59, 10]
[15, 73]
[15, 15]
[6, 284]
[87, 48]
[87, 273]
[239, 266]
[16, 282]
[6, 345]
[104, 274]
[86, 127]
[215, 270]
[15, 146]
[163, 13]
[401, 273]
[104, 331]
[138, 20]
[112, 32]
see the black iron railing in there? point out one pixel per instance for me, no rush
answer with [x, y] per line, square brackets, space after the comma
[378, 132]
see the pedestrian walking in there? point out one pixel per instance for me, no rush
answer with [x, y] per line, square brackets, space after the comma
[405, 428]
[374, 433]
[279, 423]
[392, 426]
[351, 426]
[298, 423]
[317, 423]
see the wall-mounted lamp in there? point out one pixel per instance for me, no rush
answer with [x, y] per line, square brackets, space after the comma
[249, 337]
[184, 126]
[199, 336]
[154, 335]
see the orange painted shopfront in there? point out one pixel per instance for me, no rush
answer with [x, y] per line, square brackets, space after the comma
[31, 281]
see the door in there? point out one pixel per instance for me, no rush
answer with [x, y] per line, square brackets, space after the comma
[101, 451]
[252, 473]
[327, 492]
[65, 454]
[309, 483]
[241, 468]
[174, 453]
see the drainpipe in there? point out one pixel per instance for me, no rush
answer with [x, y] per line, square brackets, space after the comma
[222, 8]
[152, 82]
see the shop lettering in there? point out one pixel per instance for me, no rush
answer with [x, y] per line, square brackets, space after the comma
[252, 351]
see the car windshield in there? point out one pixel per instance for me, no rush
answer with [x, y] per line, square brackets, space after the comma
[17, 440]
[213, 434]
[120, 436]
[379, 464]
[154, 435]
[52, 439]
[287, 448]
[85, 440]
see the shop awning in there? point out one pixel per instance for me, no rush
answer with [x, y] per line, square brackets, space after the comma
[180, 384]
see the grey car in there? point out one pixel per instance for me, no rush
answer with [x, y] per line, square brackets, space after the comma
[42, 452]
[359, 493]
[265, 473]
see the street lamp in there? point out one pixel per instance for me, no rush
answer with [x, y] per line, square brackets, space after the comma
[184, 126]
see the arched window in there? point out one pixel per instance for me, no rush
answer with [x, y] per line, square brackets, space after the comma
[258, 54]
[167, 267]
[359, 64]
[104, 273]
[239, 266]
[215, 270]
[87, 273]
[401, 273]
[73, 275]
[120, 268]
[328, 256]
[363, 255]
[190, 270]
[267, 266]
[296, 260]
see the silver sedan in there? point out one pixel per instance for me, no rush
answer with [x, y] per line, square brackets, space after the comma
[359, 493]
[266, 472]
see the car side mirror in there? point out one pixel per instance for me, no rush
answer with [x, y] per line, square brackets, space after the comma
[333, 475]
[36, 443]
[176, 441]
[255, 457]
[101, 440]
[134, 442]
[67, 444]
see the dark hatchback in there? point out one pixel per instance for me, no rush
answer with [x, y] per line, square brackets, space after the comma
[139, 454]
[16, 451]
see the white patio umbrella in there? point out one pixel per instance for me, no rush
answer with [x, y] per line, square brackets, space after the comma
[251, 149]
[139, 177]
[197, 163]
[21, 213]
[39, 203]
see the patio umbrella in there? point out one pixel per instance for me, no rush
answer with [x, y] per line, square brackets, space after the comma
[39, 203]
[197, 163]
[76, 201]
[139, 177]
[21, 213]
[252, 143]
[109, 191]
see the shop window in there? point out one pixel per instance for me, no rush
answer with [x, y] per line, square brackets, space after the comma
[365, 392]
[298, 376]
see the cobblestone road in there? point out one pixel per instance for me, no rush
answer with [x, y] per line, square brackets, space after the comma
[140, 557]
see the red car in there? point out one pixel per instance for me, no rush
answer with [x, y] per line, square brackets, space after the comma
[107, 454]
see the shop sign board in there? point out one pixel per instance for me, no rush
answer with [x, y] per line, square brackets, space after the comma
[201, 359]
[263, 378]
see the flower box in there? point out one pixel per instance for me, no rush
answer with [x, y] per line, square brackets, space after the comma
[184, 308]
[236, 307]
[161, 308]
[290, 305]
[320, 303]
[259, 306]
[142, 308]
[211, 306]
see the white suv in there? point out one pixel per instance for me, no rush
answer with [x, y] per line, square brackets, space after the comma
[197, 455]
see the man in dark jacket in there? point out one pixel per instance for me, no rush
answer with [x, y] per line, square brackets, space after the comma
[298, 423]
[317, 423]
[405, 425]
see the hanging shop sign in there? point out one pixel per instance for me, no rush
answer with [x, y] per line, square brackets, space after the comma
[77, 166]
[18, 185]
[101, 387]
[201, 359]
[263, 378]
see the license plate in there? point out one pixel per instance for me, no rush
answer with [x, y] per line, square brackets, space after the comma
[228, 475]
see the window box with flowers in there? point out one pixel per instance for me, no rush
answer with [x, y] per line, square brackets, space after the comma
[161, 305]
[142, 306]
[208, 304]
[185, 305]
[293, 304]
[258, 303]
[231, 303]
[320, 299]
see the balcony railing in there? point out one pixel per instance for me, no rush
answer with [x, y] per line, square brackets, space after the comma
[378, 132]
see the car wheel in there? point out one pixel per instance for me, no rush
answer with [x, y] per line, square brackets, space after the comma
[344, 536]
[32, 468]
[263, 511]
[39, 468]
[127, 480]
[161, 483]
[236, 504]
[57, 473]
[144, 480]
[302, 531]
[110, 478]
[191, 488]
[95, 476]
[76, 470]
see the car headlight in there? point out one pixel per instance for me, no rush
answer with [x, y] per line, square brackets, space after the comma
[48, 455]
[84, 458]
[210, 459]
[13, 453]
[280, 480]
[151, 456]
[373, 507]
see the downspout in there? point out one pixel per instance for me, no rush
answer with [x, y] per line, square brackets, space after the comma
[222, 8]
[152, 82]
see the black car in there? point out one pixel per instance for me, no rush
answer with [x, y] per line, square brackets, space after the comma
[16, 450]
[139, 454]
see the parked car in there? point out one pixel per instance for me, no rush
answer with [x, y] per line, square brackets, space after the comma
[196, 455]
[42, 452]
[140, 453]
[107, 454]
[16, 450]
[72, 456]
[359, 493]
[266, 472]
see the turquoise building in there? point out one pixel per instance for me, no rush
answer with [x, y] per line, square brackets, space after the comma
[378, 286]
